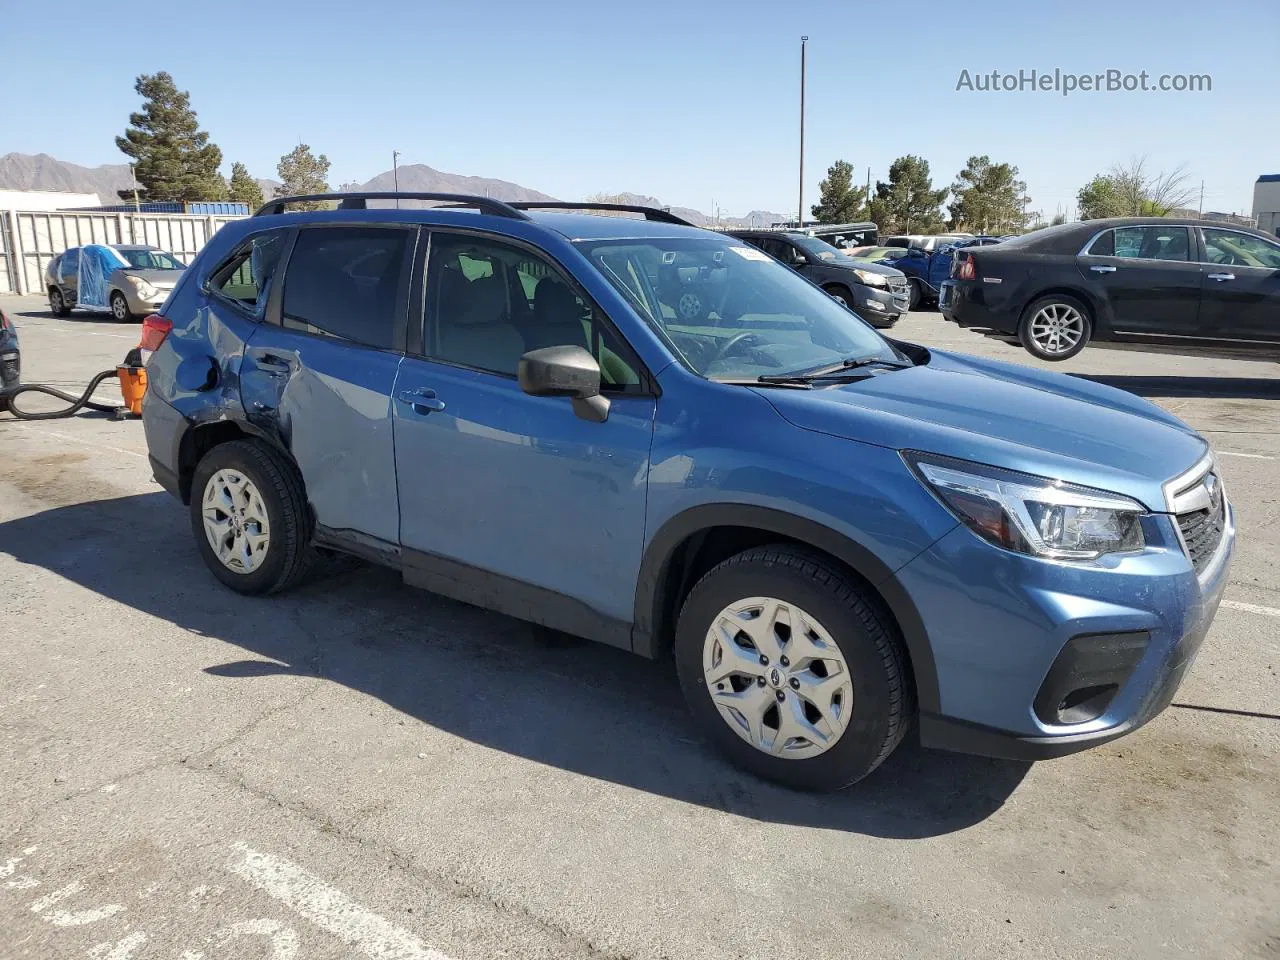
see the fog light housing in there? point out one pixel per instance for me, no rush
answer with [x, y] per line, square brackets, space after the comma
[1086, 676]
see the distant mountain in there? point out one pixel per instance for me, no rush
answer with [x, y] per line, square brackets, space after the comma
[19, 171]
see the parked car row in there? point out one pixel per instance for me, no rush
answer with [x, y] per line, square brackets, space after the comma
[129, 280]
[838, 536]
[1158, 282]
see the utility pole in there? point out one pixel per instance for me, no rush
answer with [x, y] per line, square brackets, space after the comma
[395, 173]
[134, 181]
[800, 213]
[1200, 209]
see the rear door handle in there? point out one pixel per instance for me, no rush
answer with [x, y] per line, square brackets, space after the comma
[1103, 268]
[1220, 277]
[423, 400]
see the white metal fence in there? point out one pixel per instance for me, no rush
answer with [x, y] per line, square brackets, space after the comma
[29, 239]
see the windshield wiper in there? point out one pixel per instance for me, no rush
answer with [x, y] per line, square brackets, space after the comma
[842, 371]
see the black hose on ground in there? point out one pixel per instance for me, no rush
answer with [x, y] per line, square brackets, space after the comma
[7, 397]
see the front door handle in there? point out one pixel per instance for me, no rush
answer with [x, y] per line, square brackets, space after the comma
[423, 401]
[1221, 277]
[1103, 268]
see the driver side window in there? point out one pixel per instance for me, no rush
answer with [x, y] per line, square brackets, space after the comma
[1240, 249]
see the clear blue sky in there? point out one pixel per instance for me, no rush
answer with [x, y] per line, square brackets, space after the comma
[692, 101]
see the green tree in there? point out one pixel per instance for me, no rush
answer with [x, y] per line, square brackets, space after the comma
[301, 172]
[1133, 190]
[839, 201]
[989, 198]
[1101, 198]
[907, 203]
[1059, 219]
[173, 158]
[244, 189]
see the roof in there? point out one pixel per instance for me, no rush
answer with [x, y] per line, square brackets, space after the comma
[591, 226]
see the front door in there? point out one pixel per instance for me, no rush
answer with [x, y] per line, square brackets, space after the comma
[1240, 299]
[319, 373]
[510, 501]
[1148, 277]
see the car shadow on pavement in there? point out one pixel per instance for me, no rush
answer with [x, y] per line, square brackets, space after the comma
[490, 679]
[1227, 388]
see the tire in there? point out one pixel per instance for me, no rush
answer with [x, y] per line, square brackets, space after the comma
[915, 295]
[288, 555]
[1049, 323]
[840, 294]
[120, 311]
[58, 303]
[877, 702]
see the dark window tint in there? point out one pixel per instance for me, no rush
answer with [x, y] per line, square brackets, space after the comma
[246, 276]
[1152, 243]
[345, 282]
[489, 303]
[1104, 245]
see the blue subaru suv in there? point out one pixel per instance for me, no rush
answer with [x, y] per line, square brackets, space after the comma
[838, 535]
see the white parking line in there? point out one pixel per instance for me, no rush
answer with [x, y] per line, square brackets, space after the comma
[1251, 456]
[1251, 608]
[328, 908]
[41, 428]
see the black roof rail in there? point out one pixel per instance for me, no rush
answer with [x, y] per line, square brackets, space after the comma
[357, 201]
[650, 213]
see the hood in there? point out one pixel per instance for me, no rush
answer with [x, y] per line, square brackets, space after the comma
[161, 279]
[1007, 416]
[871, 266]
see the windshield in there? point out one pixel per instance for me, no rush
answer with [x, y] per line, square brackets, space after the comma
[816, 248]
[152, 260]
[729, 311]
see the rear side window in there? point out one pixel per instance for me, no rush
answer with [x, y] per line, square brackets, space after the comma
[245, 277]
[345, 282]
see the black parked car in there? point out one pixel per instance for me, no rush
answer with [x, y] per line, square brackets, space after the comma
[10, 358]
[879, 294]
[1154, 281]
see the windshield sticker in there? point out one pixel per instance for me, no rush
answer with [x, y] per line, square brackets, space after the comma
[750, 253]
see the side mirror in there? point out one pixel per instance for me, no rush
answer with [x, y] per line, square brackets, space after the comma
[565, 372]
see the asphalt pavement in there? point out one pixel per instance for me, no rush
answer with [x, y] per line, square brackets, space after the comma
[358, 769]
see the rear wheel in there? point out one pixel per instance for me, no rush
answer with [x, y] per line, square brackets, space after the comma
[120, 307]
[1056, 327]
[249, 517]
[792, 669]
[58, 303]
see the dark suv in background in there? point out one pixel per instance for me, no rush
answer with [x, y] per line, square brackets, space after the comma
[877, 292]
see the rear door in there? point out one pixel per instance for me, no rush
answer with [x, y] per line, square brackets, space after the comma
[319, 373]
[1240, 298]
[1148, 277]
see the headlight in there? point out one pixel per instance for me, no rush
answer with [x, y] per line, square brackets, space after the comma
[1033, 515]
[871, 279]
[145, 290]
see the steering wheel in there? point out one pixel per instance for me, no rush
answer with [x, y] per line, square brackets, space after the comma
[746, 336]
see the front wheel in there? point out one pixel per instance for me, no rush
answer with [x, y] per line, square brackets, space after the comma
[58, 303]
[840, 295]
[1056, 327]
[250, 519]
[792, 669]
[120, 308]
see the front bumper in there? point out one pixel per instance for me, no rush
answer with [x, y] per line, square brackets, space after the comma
[997, 635]
[143, 306]
[879, 307]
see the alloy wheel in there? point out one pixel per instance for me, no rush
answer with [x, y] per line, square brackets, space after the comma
[119, 309]
[1057, 328]
[777, 678]
[235, 521]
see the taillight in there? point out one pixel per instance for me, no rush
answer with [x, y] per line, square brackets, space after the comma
[154, 329]
[4, 321]
[965, 268]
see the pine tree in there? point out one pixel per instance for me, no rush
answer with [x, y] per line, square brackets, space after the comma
[173, 158]
[301, 172]
[839, 201]
[989, 197]
[244, 189]
[907, 203]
